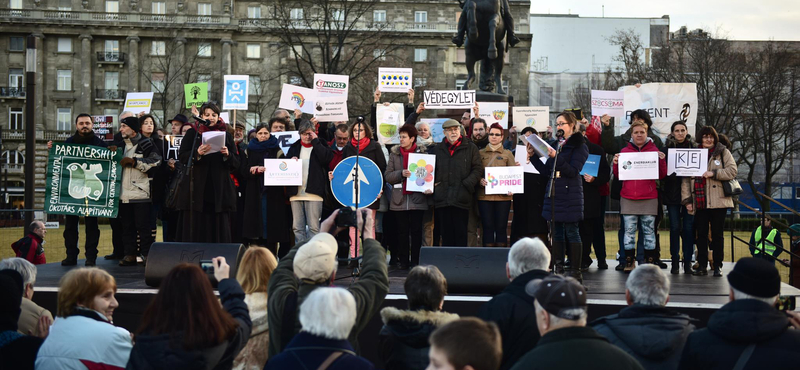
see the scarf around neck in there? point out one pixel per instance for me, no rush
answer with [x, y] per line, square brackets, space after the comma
[220, 126]
[360, 144]
[405, 154]
[452, 147]
[270, 143]
[496, 148]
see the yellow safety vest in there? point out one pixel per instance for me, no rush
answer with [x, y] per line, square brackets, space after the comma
[769, 246]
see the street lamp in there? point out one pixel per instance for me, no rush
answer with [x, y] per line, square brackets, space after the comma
[30, 129]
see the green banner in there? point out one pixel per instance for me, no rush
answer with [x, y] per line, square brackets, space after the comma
[83, 180]
[196, 94]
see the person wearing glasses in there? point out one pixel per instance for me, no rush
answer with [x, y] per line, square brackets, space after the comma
[306, 200]
[494, 208]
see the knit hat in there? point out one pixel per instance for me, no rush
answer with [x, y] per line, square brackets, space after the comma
[315, 261]
[755, 277]
[794, 230]
[133, 123]
[11, 291]
[450, 123]
[557, 294]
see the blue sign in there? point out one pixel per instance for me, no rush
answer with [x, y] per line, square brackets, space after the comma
[370, 182]
[235, 93]
[592, 165]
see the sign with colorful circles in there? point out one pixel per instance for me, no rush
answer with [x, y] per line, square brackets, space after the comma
[395, 80]
[422, 168]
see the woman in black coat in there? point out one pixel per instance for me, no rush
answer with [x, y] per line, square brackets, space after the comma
[593, 208]
[568, 203]
[208, 196]
[527, 220]
[262, 202]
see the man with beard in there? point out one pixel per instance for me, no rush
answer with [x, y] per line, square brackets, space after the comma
[84, 135]
[481, 139]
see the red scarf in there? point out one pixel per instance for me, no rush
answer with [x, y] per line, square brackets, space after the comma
[452, 147]
[405, 154]
[306, 145]
[220, 126]
[361, 145]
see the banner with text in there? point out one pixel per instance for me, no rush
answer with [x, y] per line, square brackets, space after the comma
[296, 97]
[138, 102]
[235, 92]
[608, 102]
[449, 99]
[331, 86]
[330, 109]
[83, 180]
[536, 117]
[394, 80]
[491, 113]
[665, 102]
[104, 127]
[687, 162]
[502, 180]
[638, 166]
[283, 172]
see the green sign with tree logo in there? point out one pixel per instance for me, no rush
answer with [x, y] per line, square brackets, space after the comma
[196, 94]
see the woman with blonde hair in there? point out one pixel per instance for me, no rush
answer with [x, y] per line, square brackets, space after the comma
[254, 272]
[83, 333]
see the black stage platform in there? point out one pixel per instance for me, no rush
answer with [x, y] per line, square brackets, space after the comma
[696, 296]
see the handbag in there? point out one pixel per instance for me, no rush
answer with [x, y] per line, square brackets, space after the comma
[731, 188]
[172, 189]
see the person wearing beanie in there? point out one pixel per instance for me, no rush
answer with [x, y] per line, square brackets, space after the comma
[748, 331]
[311, 265]
[17, 351]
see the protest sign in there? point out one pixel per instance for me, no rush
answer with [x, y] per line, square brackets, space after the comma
[491, 113]
[665, 103]
[437, 132]
[592, 165]
[394, 80]
[331, 86]
[422, 168]
[521, 157]
[83, 180]
[389, 119]
[686, 162]
[638, 166]
[196, 94]
[541, 147]
[235, 92]
[283, 172]
[138, 102]
[330, 109]
[172, 143]
[449, 99]
[608, 102]
[536, 117]
[286, 139]
[296, 97]
[225, 117]
[502, 180]
[104, 127]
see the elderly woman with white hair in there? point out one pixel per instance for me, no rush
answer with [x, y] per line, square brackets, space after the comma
[34, 319]
[327, 316]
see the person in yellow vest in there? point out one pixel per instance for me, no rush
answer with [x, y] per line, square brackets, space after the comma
[764, 240]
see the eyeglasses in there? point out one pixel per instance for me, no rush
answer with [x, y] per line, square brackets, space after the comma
[495, 134]
[560, 123]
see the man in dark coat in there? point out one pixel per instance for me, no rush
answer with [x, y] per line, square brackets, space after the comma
[566, 342]
[512, 310]
[84, 135]
[458, 170]
[592, 208]
[748, 329]
[647, 330]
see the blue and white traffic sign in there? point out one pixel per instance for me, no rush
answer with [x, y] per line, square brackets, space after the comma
[370, 182]
[235, 93]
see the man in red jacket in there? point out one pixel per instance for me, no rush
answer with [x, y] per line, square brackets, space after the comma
[30, 247]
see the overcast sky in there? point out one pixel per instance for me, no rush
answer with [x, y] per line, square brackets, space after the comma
[737, 19]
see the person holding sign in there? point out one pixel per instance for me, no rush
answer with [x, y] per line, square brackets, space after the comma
[639, 199]
[306, 200]
[494, 208]
[409, 207]
[705, 198]
[258, 199]
[567, 202]
[681, 223]
[592, 230]
[208, 196]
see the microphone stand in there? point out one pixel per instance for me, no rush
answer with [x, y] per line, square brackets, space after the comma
[357, 270]
[190, 173]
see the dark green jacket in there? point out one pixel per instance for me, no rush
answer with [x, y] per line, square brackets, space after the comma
[369, 292]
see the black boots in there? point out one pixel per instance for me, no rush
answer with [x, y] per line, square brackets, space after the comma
[630, 260]
[651, 257]
[575, 256]
[558, 257]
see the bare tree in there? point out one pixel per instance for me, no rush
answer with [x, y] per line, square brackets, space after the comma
[265, 89]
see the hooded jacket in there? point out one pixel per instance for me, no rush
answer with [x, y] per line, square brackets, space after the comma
[671, 184]
[653, 335]
[641, 189]
[403, 340]
[30, 248]
[736, 325]
[135, 180]
[415, 201]
[568, 183]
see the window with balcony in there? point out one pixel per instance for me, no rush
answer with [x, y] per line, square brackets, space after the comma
[157, 82]
[64, 79]
[63, 119]
[159, 48]
[15, 4]
[204, 9]
[159, 7]
[112, 81]
[420, 55]
[112, 6]
[296, 14]
[205, 78]
[15, 119]
[16, 78]
[65, 5]
[253, 51]
[254, 12]
[421, 17]
[14, 157]
[254, 87]
[204, 49]
[379, 16]
[16, 43]
[64, 45]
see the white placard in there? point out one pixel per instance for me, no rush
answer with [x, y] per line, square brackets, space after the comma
[687, 162]
[608, 102]
[334, 86]
[521, 157]
[395, 80]
[422, 168]
[638, 166]
[449, 99]
[330, 109]
[51, 225]
[235, 91]
[226, 117]
[283, 172]
[665, 103]
[389, 119]
[502, 180]
[296, 97]
[138, 102]
[541, 147]
[536, 117]
[491, 113]
[286, 139]
[216, 139]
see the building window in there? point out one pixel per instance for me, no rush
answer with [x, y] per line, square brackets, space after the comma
[254, 87]
[17, 44]
[64, 82]
[64, 119]
[253, 51]
[296, 13]
[379, 15]
[379, 54]
[545, 96]
[253, 12]
[112, 80]
[16, 78]
[159, 48]
[204, 9]
[461, 56]
[460, 83]
[252, 119]
[159, 117]
[420, 81]
[420, 55]
[113, 113]
[112, 6]
[65, 5]
[421, 17]
[157, 82]
[205, 78]
[337, 15]
[14, 157]
[159, 7]
[64, 45]
[16, 4]
[15, 119]
[204, 49]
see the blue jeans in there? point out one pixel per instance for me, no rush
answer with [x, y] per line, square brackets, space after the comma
[632, 223]
[494, 218]
[621, 239]
[568, 229]
[305, 213]
[678, 231]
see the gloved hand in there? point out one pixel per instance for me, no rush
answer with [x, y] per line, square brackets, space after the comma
[112, 148]
[127, 162]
